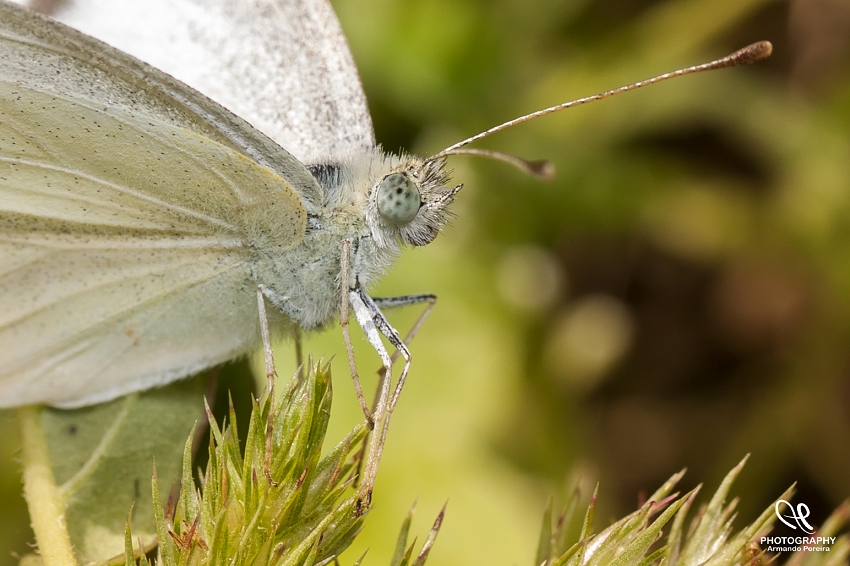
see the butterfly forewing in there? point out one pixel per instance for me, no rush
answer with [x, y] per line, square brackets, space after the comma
[128, 215]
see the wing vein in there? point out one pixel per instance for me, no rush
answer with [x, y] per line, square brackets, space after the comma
[109, 283]
[77, 344]
[102, 243]
[162, 139]
[124, 190]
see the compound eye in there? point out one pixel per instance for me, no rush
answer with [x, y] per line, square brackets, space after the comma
[398, 199]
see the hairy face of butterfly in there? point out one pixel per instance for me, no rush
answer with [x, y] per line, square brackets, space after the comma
[411, 202]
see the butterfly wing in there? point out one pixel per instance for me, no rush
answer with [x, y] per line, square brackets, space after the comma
[129, 210]
[282, 65]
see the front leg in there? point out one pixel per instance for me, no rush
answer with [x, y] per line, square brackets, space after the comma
[375, 324]
[404, 301]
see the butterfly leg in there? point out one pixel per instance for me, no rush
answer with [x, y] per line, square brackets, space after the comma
[271, 373]
[404, 301]
[345, 276]
[374, 324]
[299, 352]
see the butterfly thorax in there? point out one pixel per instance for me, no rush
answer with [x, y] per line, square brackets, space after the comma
[380, 203]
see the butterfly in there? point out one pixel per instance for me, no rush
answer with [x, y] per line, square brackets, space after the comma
[145, 225]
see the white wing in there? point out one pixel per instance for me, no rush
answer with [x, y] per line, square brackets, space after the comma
[282, 65]
[129, 210]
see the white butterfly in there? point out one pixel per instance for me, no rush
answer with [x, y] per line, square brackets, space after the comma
[138, 218]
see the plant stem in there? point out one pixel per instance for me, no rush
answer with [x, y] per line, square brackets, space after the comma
[43, 499]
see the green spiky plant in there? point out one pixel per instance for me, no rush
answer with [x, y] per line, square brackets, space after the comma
[277, 503]
[280, 502]
[637, 539]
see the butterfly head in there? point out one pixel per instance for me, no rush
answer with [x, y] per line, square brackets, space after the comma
[410, 198]
[410, 202]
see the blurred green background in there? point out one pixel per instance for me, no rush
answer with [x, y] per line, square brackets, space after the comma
[678, 297]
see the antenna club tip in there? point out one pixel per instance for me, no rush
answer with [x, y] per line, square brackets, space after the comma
[544, 170]
[752, 53]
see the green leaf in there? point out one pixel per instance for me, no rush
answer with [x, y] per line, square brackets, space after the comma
[544, 545]
[633, 553]
[676, 531]
[102, 460]
[709, 534]
[166, 547]
[587, 525]
[432, 537]
[401, 542]
[129, 556]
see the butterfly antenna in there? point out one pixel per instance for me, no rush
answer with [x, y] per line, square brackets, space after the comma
[541, 169]
[544, 169]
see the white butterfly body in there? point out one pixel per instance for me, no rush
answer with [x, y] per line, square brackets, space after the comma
[137, 217]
